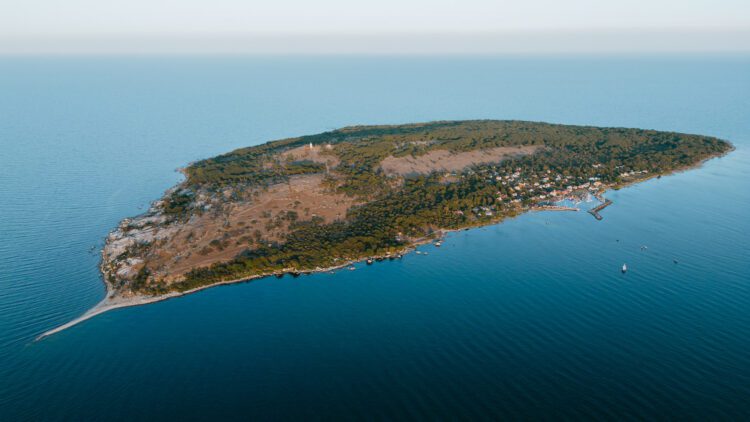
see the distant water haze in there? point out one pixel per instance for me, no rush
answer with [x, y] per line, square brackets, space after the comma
[373, 27]
[526, 42]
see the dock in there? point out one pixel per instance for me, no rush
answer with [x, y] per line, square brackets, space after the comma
[553, 208]
[595, 211]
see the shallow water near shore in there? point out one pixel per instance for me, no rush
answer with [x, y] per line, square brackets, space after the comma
[525, 319]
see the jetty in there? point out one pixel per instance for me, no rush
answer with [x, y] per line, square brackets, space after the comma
[595, 211]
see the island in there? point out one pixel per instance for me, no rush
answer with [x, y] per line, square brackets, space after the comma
[322, 202]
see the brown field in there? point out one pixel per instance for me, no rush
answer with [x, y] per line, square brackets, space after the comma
[444, 160]
[219, 235]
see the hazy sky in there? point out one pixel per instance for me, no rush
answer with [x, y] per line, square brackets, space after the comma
[363, 26]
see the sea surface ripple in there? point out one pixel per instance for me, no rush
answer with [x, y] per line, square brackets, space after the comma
[527, 319]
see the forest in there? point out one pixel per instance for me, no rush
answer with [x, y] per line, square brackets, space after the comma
[395, 213]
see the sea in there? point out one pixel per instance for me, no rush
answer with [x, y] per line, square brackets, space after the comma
[528, 319]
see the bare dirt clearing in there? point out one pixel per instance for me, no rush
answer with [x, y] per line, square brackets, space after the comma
[220, 234]
[444, 160]
[316, 154]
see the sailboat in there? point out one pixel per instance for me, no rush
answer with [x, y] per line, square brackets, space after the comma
[624, 268]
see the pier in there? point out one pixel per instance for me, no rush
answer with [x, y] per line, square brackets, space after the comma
[595, 211]
[553, 208]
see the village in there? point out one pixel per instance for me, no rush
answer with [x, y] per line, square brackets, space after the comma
[544, 190]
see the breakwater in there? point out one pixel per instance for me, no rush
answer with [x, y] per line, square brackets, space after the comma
[595, 211]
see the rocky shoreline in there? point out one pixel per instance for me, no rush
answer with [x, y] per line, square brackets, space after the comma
[113, 301]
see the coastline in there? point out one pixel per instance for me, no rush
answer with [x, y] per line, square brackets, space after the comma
[111, 301]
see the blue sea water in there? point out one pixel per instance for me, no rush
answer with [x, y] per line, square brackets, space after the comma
[527, 319]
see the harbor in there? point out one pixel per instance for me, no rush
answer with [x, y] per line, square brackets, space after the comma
[554, 208]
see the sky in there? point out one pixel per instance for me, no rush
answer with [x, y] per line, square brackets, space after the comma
[383, 26]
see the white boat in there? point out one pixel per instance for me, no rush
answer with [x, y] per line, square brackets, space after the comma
[624, 268]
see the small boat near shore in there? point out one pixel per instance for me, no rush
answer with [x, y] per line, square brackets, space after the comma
[624, 268]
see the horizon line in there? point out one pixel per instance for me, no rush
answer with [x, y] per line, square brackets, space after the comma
[600, 41]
